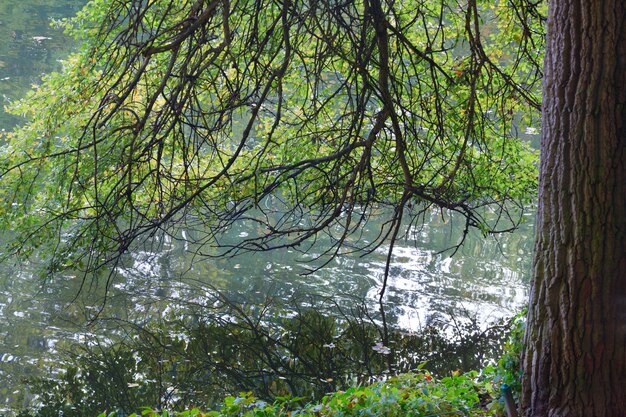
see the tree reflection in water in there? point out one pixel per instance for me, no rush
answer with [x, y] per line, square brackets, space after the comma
[223, 348]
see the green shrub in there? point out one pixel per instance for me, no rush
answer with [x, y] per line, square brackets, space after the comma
[412, 394]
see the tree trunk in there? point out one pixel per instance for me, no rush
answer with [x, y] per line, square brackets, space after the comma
[575, 359]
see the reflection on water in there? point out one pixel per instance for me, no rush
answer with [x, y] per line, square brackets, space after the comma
[486, 279]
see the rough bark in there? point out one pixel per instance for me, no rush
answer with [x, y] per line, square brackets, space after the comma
[575, 358]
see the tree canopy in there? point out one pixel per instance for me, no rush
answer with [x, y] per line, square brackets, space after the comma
[305, 118]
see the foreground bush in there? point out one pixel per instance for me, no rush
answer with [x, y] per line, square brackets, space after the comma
[412, 394]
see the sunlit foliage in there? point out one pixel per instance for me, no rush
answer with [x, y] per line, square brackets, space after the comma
[303, 118]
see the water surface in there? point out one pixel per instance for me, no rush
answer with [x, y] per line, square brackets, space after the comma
[29, 46]
[486, 279]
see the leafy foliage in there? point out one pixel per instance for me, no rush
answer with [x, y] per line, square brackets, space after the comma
[302, 117]
[417, 393]
[509, 365]
[412, 394]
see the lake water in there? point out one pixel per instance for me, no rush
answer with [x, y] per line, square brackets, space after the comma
[487, 278]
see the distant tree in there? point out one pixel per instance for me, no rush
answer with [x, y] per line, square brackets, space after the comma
[303, 118]
[575, 358]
